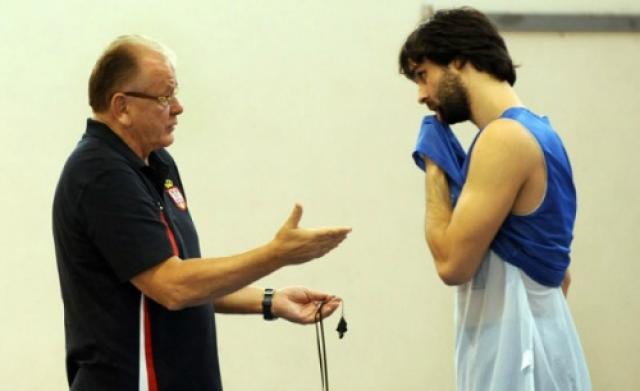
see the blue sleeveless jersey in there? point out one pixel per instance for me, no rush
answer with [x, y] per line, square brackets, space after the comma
[538, 243]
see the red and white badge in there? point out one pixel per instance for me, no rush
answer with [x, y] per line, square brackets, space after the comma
[175, 195]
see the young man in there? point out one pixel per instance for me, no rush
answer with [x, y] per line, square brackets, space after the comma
[499, 220]
[139, 300]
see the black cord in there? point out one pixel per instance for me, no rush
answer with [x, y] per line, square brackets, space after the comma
[322, 349]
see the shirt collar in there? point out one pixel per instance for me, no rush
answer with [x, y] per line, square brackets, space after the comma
[104, 133]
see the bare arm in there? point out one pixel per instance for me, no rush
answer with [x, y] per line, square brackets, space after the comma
[296, 304]
[177, 284]
[566, 282]
[503, 158]
[247, 300]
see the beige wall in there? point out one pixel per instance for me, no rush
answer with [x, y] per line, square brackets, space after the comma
[300, 100]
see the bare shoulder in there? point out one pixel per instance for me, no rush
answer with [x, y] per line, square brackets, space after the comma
[506, 134]
[505, 154]
[507, 139]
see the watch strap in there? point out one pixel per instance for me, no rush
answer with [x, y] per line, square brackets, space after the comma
[267, 301]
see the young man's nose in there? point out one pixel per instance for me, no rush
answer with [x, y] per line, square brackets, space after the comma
[422, 94]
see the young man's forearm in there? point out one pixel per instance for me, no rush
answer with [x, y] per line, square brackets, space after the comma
[438, 212]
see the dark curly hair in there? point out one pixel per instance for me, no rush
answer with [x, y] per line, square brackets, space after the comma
[463, 34]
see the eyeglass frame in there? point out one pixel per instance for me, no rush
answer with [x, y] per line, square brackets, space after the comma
[163, 100]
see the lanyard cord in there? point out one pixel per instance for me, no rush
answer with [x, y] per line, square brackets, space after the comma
[322, 349]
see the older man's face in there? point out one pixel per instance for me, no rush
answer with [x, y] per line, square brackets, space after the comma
[154, 120]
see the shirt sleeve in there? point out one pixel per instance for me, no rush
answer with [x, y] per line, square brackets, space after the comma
[124, 223]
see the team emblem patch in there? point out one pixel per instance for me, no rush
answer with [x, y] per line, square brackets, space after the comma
[177, 197]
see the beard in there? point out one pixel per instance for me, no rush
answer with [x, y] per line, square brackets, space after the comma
[452, 100]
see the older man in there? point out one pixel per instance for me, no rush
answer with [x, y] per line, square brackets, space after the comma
[139, 299]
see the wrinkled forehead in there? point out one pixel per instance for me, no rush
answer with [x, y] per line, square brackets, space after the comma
[151, 57]
[156, 69]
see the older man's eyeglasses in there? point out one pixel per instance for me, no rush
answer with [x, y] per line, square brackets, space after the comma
[163, 100]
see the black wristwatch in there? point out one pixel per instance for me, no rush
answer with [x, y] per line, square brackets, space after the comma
[267, 314]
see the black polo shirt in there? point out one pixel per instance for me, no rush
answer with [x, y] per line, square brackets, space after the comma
[114, 217]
